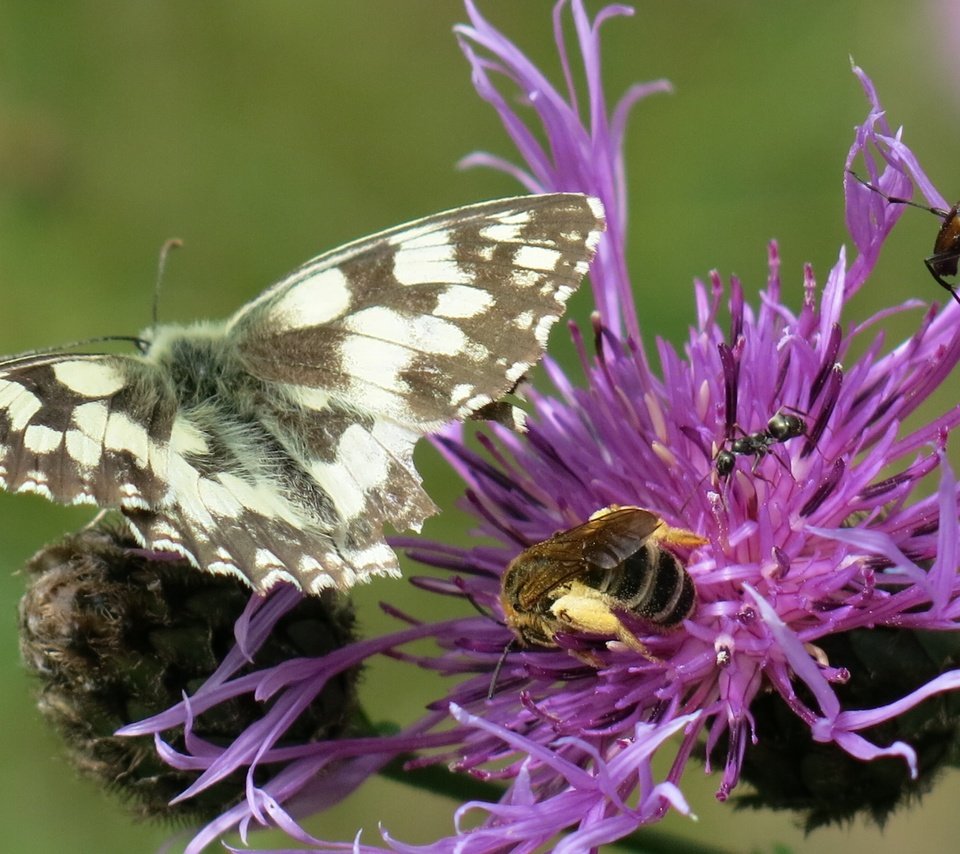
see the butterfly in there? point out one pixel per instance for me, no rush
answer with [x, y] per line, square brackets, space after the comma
[276, 445]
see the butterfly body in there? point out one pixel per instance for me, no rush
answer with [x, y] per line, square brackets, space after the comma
[277, 444]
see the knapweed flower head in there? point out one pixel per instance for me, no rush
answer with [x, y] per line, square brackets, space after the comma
[776, 434]
[112, 632]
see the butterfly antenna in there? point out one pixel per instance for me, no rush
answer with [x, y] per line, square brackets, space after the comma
[898, 200]
[168, 246]
[58, 349]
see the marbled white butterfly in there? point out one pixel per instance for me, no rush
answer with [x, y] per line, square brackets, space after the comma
[275, 445]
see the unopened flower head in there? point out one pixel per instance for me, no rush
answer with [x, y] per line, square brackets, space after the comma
[776, 434]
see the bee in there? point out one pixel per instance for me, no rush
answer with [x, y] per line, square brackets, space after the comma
[610, 573]
[782, 427]
[946, 248]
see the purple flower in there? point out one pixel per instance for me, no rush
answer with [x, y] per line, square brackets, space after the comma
[813, 533]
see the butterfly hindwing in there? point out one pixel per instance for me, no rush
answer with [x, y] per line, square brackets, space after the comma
[245, 500]
[84, 429]
[277, 445]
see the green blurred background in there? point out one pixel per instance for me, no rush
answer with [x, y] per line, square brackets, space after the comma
[261, 133]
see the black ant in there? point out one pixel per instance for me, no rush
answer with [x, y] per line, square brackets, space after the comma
[946, 248]
[780, 428]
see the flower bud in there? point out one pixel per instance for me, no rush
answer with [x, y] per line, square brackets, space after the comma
[115, 635]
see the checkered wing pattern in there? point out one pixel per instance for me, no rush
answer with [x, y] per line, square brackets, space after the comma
[277, 445]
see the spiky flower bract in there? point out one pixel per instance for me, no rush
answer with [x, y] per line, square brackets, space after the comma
[846, 522]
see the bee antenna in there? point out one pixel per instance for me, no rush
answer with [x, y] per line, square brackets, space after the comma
[496, 670]
[482, 611]
[168, 246]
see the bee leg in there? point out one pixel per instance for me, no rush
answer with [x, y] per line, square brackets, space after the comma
[680, 537]
[629, 639]
[605, 511]
[593, 616]
[591, 659]
[586, 614]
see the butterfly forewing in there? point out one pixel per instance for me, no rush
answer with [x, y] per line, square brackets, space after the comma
[426, 322]
[277, 445]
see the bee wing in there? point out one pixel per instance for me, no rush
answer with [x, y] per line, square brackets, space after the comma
[601, 543]
[608, 539]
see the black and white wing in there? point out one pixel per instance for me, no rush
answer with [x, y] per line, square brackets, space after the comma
[430, 321]
[278, 445]
[386, 339]
[85, 429]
